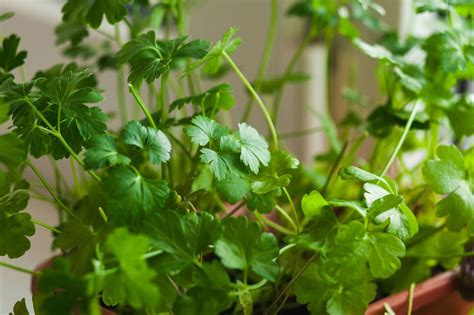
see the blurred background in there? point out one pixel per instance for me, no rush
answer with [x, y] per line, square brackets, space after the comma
[334, 72]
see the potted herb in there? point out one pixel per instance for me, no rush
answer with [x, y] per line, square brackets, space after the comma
[178, 212]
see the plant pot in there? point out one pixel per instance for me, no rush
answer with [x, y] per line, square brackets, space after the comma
[435, 296]
[47, 264]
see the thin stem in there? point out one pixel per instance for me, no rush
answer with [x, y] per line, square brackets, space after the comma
[140, 103]
[272, 224]
[122, 97]
[267, 53]
[287, 217]
[20, 269]
[236, 208]
[50, 189]
[289, 69]
[410, 298]
[77, 183]
[46, 226]
[334, 167]
[257, 98]
[297, 221]
[292, 281]
[103, 215]
[402, 139]
[286, 248]
[164, 110]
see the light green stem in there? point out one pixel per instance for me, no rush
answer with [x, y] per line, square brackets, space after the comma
[292, 208]
[20, 269]
[286, 216]
[50, 189]
[410, 298]
[267, 53]
[46, 226]
[260, 103]
[142, 105]
[402, 139]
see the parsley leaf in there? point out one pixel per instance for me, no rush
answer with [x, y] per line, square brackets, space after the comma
[254, 149]
[102, 152]
[154, 142]
[131, 195]
[149, 58]
[93, 11]
[448, 175]
[205, 130]
[325, 297]
[20, 308]
[312, 204]
[221, 165]
[15, 226]
[241, 246]
[10, 58]
[133, 282]
[184, 237]
[218, 97]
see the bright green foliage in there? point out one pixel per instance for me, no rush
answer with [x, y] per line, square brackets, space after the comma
[233, 188]
[74, 32]
[313, 204]
[62, 290]
[445, 53]
[92, 12]
[221, 165]
[153, 142]
[102, 152]
[214, 60]
[242, 246]
[212, 284]
[10, 57]
[74, 234]
[448, 175]
[132, 283]
[15, 226]
[362, 254]
[183, 237]
[263, 203]
[324, 297]
[131, 195]
[254, 149]
[149, 58]
[277, 174]
[204, 130]
[13, 153]
[218, 97]
[20, 308]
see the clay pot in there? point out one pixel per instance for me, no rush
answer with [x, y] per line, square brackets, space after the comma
[435, 296]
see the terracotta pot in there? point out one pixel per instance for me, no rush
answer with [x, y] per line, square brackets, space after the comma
[435, 296]
[47, 264]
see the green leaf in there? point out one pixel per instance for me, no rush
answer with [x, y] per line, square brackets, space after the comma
[74, 32]
[63, 290]
[93, 11]
[205, 130]
[312, 204]
[149, 58]
[132, 196]
[351, 204]
[214, 60]
[254, 149]
[183, 237]
[448, 175]
[10, 58]
[15, 226]
[355, 173]
[7, 15]
[460, 116]
[221, 165]
[154, 142]
[242, 246]
[263, 203]
[102, 152]
[445, 53]
[133, 283]
[13, 152]
[399, 219]
[324, 297]
[357, 252]
[74, 234]
[218, 97]
[20, 308]
[277, 174]
[233, 187]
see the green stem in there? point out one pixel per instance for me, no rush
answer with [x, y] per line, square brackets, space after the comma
[46, 226]
[257, 98]
[293, 208]
[103, 215]
[77, 183]
[54, 132]
[287, 217]
[140, 103]
[122, 97]
[289, 69]
[50, 189]
[267, 53]
[334, 167]
[410, 298]
[402, 139]
[272, 224]
[20, 269]
[164, 110]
